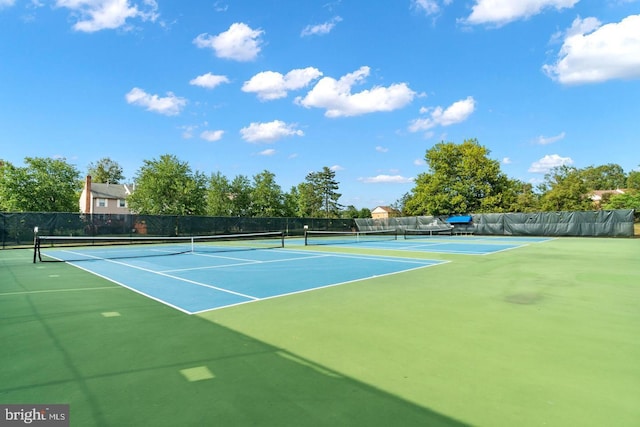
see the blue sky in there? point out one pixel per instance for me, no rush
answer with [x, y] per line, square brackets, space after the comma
[364, 87]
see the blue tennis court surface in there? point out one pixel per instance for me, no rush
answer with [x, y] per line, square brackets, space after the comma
[467, 245]
[195, 282]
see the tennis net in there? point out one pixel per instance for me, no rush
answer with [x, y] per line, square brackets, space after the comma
[78, 248]
[422, 233]
[317, 237]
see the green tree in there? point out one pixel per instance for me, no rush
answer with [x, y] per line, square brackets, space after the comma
[266, 196]
[400, 204]
[461, 179]
[630, 200]
[219, 200]
[522, 197]
[42, 185]
[364, 213]
[564, 189]
[167, 186]
[633, 180]
[106, 170]
[606, 177]
[290, 202]
[309, 201]
[240, 196]
[350, 212]
[325, 186]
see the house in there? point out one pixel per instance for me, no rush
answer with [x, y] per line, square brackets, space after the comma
[600, 196]
[384, 212]
[99, 198]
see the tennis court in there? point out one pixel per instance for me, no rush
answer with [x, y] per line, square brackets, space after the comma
[394, 241]
[200, 274]
[544, 333]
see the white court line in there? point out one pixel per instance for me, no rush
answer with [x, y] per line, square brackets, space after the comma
[321, 287]
[369, 257]
[248, 262]
[193, 282]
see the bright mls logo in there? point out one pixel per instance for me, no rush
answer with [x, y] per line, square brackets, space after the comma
[34, 415]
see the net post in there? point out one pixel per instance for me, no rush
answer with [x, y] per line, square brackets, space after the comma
[282, 239]
[306, 234]
[36, 245]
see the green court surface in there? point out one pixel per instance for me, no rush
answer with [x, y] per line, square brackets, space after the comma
[542, 335]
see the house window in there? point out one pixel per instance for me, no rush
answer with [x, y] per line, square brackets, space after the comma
[122, 203]
[101, 203]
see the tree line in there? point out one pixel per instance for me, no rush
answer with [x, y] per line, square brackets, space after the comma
[460, 178]
[168, 186]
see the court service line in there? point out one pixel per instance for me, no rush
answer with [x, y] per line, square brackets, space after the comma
[193, 282]
[248, 262]
[373, 257]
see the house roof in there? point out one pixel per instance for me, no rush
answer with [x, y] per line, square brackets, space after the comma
[387, 209]
[110, 191]
[597, 194]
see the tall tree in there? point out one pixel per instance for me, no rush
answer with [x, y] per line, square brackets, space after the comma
[630, 200]
[266, 196]
[219, 200]
[564, 189]
[633, 180]
[240, 196]
[324, 184]
[167, 186]
[520, 197]
[106, 170]
[309, 201]
[42, 185]
[605, 177]
[350, 212]
[461, 179]
[290, 202]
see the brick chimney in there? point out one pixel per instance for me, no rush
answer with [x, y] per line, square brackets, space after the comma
[87, 197]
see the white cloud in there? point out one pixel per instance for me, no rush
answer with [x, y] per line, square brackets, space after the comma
[320, 29]
[212, 135]
[501, 12]
[240, 42]
[336, 168]
[381, 149]
[271, 85]
[457, 112]
[96, 15]
[390, 179]
[187, 131]
[545, 140]
[267, 152]
[220, 6]
[593, 53]
[420, 162]
[169, 105]
[209, 81]
[506, 161]
[269, 132]
[549, 162]
[7, 3]
[429, 7]
[335, 96]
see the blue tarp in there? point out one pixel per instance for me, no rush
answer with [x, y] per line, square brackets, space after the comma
[459, 219]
